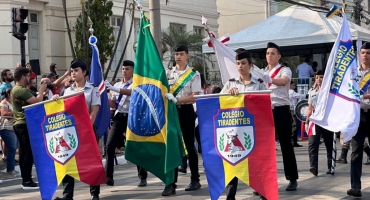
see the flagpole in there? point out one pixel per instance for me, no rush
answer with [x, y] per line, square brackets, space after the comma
[334, 154]
[227, 94]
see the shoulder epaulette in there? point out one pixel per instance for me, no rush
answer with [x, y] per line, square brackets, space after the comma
[232, 79]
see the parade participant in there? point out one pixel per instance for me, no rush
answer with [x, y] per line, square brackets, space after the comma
[92, 96]
[7, 133]
[32, 87]
[293, 98]
[357, 141]
[245, 82]
[121, 101]
[47, 94]
[7, 78]
[314, 140]
[278, 78]
[188, 79]
[21, 96]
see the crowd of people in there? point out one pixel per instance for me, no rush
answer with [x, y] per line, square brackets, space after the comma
[276, 77]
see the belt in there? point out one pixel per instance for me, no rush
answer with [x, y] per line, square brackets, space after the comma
[184, 105]
[122, 114]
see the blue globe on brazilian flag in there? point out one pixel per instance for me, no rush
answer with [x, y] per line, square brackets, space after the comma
[153, 136]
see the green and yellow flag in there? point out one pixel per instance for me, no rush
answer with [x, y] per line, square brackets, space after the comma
[153, 136]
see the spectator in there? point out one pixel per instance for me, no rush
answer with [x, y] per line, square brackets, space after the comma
[314, 66]
[7, 78]
[7, 133]
[18, 65]
[53, 68]
[305, 70]
[32, 74]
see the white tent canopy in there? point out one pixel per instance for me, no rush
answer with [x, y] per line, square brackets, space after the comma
[297, 30]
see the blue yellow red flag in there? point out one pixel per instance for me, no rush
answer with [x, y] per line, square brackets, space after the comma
[238, 140]
[63, 143]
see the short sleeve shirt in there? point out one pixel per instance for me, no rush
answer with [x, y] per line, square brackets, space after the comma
[191, 86]
[280, 94]
[313, 95]
[3, 87]
[20, 95]
[253, 85]
[365, 103]
[115, 96]
[92, 94]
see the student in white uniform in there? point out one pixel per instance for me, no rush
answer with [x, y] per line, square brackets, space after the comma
[245, 82]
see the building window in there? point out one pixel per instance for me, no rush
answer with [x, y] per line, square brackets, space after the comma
[115, 21]
[136, 29]
[33, 17]
[180, 27]
[198, 30]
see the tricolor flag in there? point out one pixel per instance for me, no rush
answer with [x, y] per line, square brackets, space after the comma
[238, 140]
[63, 142]
[153, 136]
[96, 77]
[338, 104]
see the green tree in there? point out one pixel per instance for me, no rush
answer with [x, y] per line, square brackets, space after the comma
[99, 12]
[174, 36]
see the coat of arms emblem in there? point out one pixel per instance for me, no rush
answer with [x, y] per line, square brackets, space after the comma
[62, 144]
[234, 135]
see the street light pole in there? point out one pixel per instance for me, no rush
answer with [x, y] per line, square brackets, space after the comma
[155, 23]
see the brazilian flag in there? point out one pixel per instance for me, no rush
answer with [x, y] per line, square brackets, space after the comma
[153, 136]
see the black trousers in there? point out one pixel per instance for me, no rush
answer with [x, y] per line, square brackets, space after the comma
[141, 173]
[69, 182]
[187, 122]
[25, 152]
[231, 189]
[115, 139]
[283, 129]
[314, 143]
[357, 144]
[295, 122]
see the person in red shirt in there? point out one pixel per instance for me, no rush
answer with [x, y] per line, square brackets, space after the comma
[32, 74]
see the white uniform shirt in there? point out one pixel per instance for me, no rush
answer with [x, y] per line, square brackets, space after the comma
[365, 103]
[313, 95]
[92, 94]
[115, 95]
[293, 98]
[191, 86]
[280, 94]
[253, 85]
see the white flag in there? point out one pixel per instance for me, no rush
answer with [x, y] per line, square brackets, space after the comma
[227, 62]
[338, 104]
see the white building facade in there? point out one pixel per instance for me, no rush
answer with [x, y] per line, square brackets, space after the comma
[47, 38]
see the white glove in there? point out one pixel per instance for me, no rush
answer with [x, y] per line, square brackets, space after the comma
[110, 87]
[306, 127]
[170, 97]
[267, 78]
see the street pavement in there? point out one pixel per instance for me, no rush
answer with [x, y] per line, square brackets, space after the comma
[309, 187]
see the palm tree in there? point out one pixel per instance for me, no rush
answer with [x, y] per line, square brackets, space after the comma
[174, 36]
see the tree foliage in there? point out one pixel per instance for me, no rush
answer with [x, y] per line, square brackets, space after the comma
[99, 12]
[174, 36]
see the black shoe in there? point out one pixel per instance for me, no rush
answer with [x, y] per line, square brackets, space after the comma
[95, 197]
[262, 198]
[142, 183]
[194, 185]
[342, 160]
[367, 161]
[30, 186]
[169, 190]
[297, 145]
[63, 198]
[354, 192]
[255, 193]
[292, 186]
[110, 181]
[313, 171]
[328, 171]
[182, 170]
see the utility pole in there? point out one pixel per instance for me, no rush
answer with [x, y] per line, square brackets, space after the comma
[155, 23]
[357, 11]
